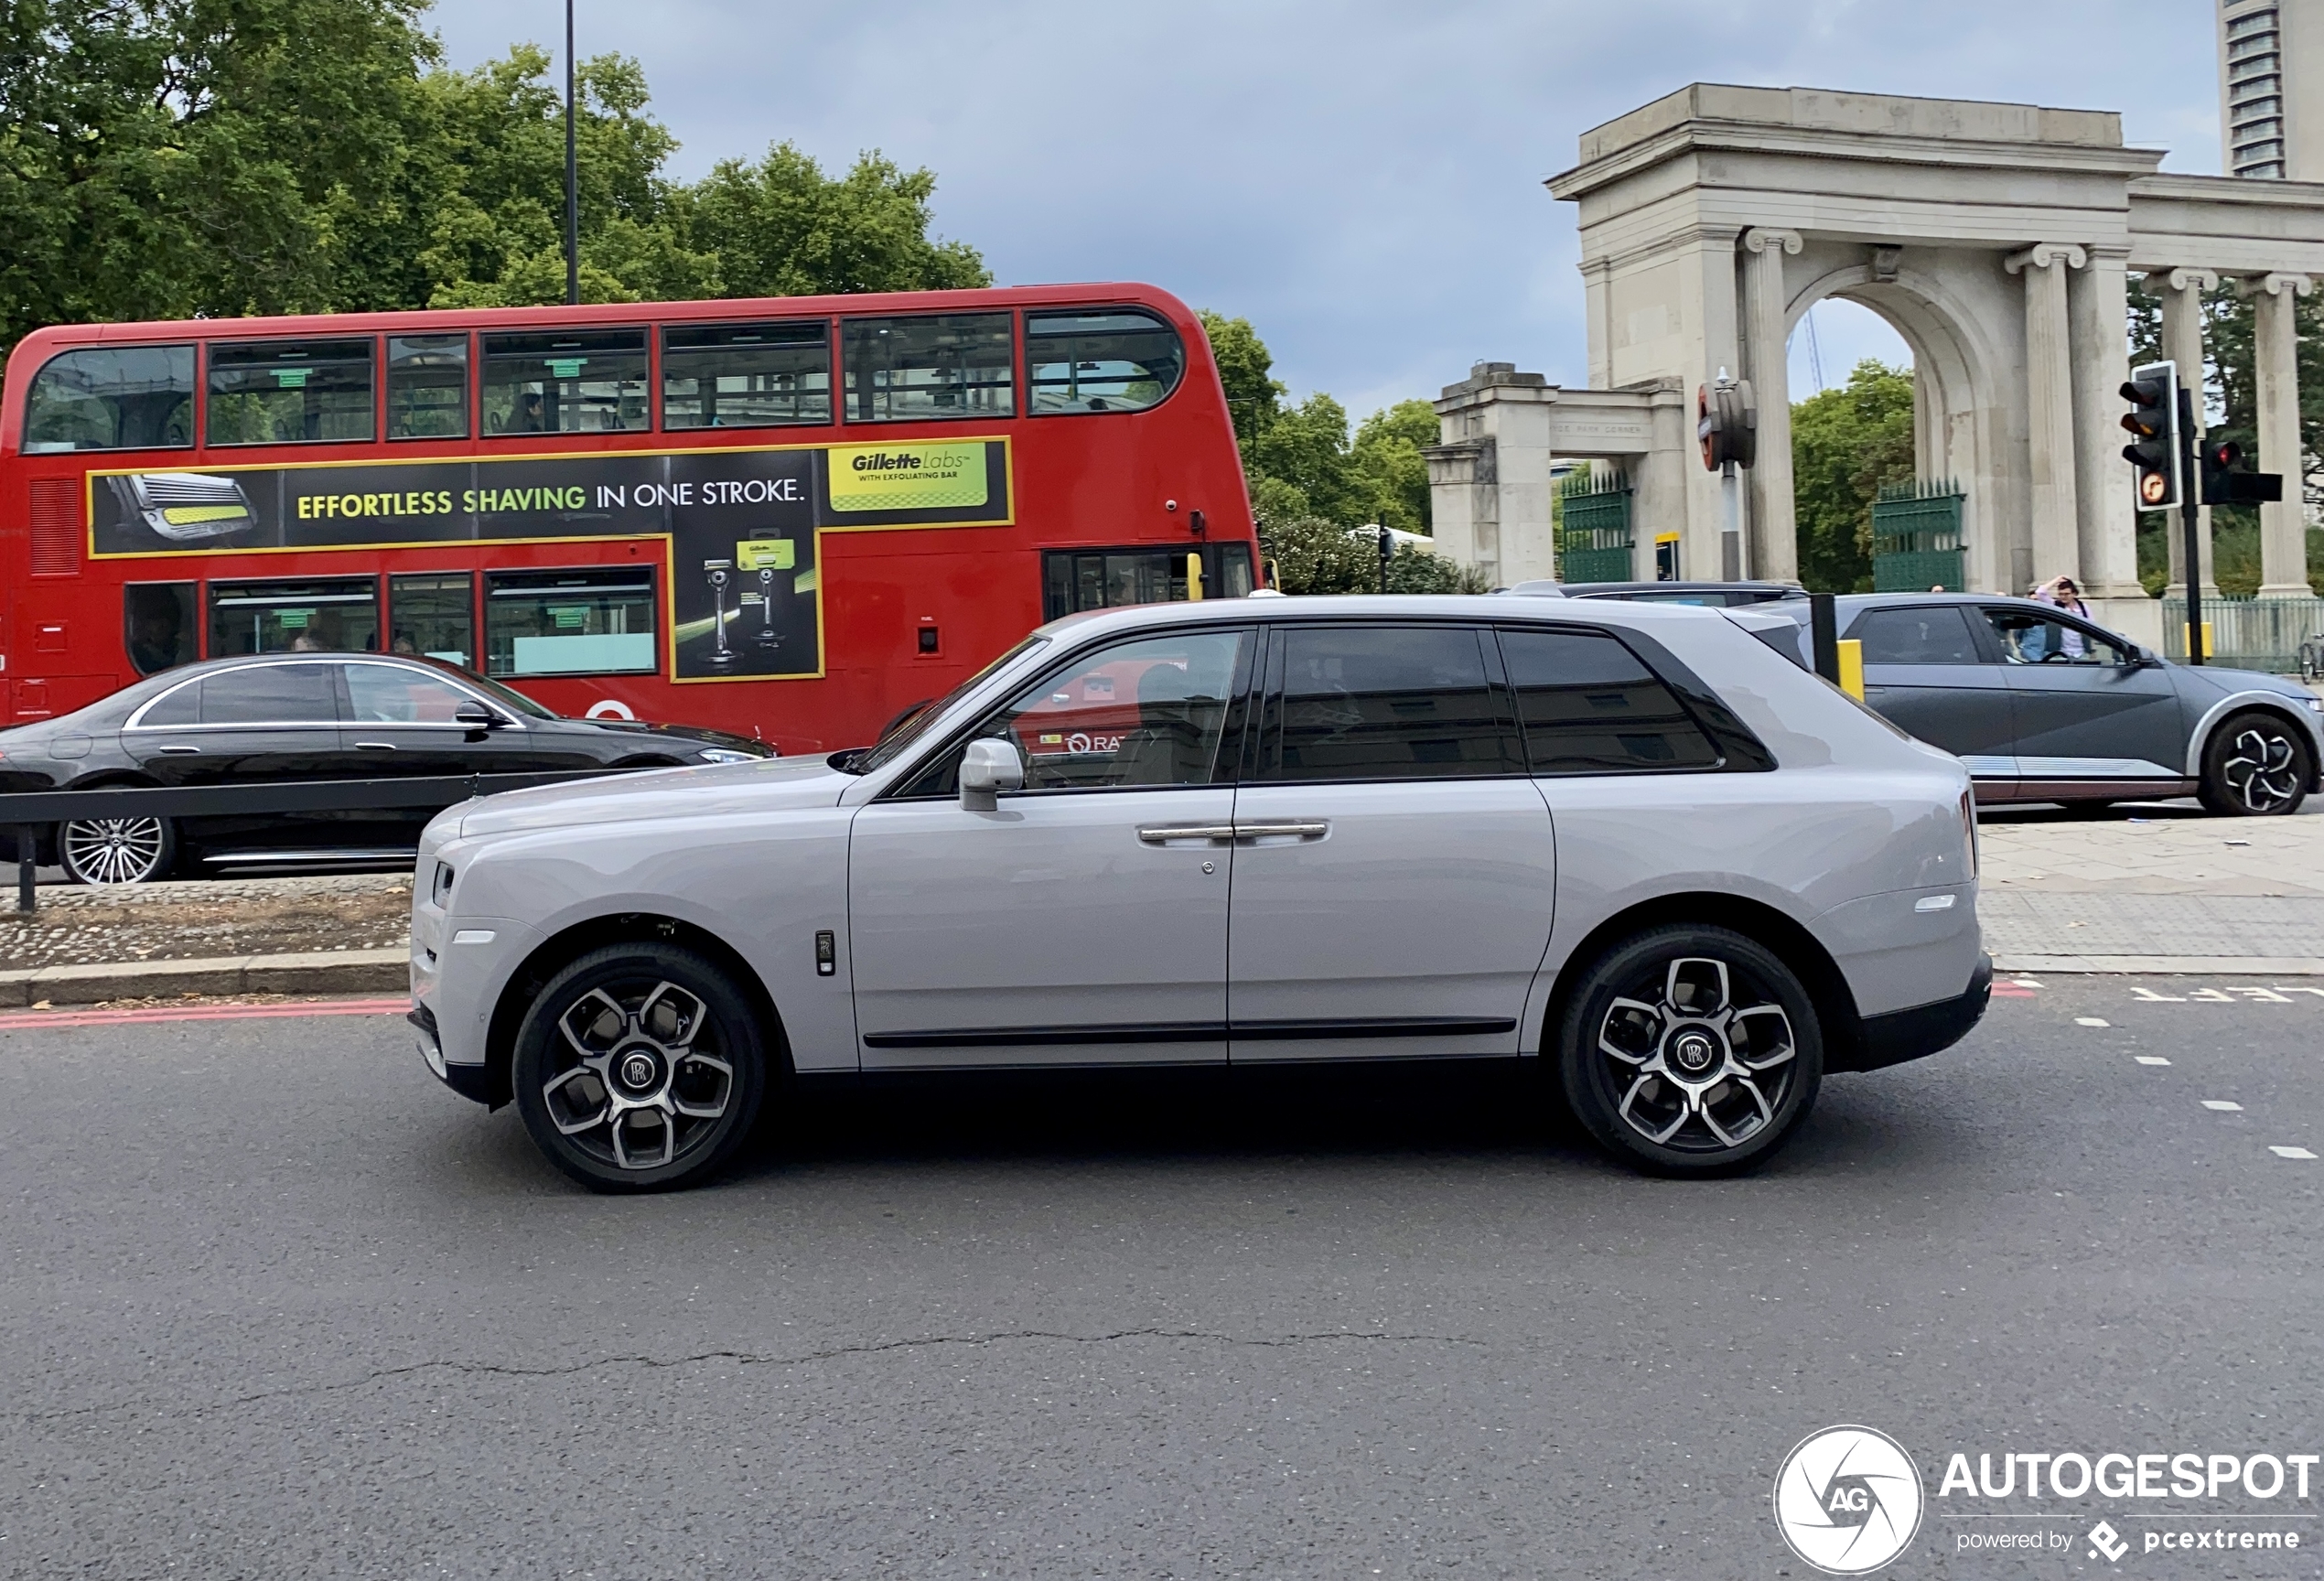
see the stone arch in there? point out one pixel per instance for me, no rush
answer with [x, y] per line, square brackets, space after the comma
[1962, 414]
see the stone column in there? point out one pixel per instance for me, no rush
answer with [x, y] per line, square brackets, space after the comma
[2050, 407]
[2283, 527]
[1775, 550]
[2181, 291]
[2106, 518]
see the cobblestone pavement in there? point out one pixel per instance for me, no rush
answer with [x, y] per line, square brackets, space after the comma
[85, 925]
[2154, 883]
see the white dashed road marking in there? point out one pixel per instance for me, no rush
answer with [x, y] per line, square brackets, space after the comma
[2152, 1060]
[2090, 1021]
[2291, 1152]
[2224, 1105]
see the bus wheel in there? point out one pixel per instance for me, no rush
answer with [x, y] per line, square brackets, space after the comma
[116, 850]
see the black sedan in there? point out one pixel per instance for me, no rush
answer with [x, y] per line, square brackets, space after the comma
[306, 717]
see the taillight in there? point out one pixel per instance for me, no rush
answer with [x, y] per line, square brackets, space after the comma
[1969, 828]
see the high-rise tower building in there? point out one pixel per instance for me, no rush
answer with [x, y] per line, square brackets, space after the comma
[2271, 74]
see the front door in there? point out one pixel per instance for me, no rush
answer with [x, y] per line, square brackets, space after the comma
[2091, 717]
[1085, 920]
[1926, 672]
[1394, 869]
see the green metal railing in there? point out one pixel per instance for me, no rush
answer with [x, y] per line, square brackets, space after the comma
[1594, 542]
[2248, 633]
[1916, 537]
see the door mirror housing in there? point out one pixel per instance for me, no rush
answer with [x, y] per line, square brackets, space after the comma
[476, 716]
[988, 768]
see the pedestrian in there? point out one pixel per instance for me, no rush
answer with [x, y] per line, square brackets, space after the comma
[2061, 592]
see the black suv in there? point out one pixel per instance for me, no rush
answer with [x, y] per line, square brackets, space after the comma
[306, 717]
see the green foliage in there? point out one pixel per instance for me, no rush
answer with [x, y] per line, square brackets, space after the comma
[1845, 443]
[1299, 462]
[1312, 555]
[160, 158]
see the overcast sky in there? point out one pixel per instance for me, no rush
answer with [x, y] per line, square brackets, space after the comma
[1361, 180]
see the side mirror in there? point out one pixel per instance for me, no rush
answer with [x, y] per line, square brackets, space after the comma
[476, 716]
[987, 768]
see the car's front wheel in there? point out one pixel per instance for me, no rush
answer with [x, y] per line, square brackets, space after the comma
[1689, 1050]
[640, 1067]
[116, 850]
[2256, 765]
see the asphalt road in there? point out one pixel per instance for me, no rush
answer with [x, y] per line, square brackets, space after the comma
[276, 1304]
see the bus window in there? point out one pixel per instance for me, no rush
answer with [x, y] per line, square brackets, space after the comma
[569, 622]
[744, 375]
[946, 365]
[135, 398]
[1118, 362]
[157, 625]
[578, 381]
[290, 392]
[428, 387]
[435, 615]
[1108, 578]
[334, 615]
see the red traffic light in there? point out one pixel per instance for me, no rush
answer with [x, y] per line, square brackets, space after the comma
[2225, 453]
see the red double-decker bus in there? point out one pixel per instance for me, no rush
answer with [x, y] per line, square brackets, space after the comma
[791, 517]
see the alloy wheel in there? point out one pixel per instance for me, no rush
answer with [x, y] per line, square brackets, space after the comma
[1701, 1055]
[2262, 767]
[114, 850]
[643, 1082]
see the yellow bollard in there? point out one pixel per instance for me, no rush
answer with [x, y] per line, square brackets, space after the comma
[2211, 649]
[1851, 668]
[1194, 578]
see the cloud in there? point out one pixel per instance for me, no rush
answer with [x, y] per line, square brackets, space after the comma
[1362, 180]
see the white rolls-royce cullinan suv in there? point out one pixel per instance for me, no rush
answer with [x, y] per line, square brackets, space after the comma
[1626, 840]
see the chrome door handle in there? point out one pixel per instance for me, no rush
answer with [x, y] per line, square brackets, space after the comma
[1304, 828]
[179, 751]
[375, 745]
[1163, 833]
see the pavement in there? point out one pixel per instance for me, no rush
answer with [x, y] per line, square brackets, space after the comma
[277, 1304]
[2152, 888]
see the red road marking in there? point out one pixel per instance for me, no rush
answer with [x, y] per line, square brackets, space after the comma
[202, 1013]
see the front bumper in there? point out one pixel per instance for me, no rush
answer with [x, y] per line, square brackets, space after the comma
[467, 1081]
[1924, 1029]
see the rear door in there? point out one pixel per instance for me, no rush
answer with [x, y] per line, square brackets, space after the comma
[1394, 867]
[257, 724]
[1927, 671]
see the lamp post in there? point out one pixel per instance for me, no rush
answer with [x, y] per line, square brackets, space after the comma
[572, 171]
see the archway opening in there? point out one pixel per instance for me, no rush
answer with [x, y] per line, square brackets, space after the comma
[1854, 430]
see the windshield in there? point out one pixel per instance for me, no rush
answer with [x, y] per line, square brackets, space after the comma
[913, 725]
[517, 701]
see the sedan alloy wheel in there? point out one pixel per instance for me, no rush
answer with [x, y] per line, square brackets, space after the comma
[114, 850]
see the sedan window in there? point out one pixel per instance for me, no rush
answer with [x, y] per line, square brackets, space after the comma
[1387, 702]
[393, 694]
[2030, 639]
[1939, 634]
[1590, 706]
[270, 694]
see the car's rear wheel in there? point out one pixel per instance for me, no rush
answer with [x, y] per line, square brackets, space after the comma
[116, 850]
[1689, 1050]
[2256, 765]
[640, 1067]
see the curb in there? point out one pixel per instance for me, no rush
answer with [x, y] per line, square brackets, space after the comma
[315, 972]
[2167, 965]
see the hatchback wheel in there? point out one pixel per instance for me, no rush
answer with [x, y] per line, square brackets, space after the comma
[2256, 765]
[116, 850]
[640, 1067]
[1691, 1052]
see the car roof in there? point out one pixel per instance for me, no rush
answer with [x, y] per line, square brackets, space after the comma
[1614, 589]
[1480, 607]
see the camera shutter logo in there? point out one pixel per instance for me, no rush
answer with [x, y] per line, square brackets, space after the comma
[1848, 1499]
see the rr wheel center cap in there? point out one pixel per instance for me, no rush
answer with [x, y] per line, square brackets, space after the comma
[638, 1071]
[1694, 1052]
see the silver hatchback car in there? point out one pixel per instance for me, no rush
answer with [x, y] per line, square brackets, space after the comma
[1626, 840]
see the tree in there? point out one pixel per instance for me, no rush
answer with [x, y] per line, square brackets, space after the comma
[1845, 443]
[1245, 368]
[1314, 556]
[1389, 464]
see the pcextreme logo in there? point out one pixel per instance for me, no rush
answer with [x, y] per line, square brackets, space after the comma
[1848, 1499]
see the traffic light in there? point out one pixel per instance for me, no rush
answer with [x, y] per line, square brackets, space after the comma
[2153, 424]
[2224, 484]
[1727, 423]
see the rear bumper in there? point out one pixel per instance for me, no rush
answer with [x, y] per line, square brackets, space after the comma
[1924, 1029]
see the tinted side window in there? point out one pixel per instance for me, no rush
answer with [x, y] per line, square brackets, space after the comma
[1937, 635]
[1590, 706]
[744, 375]
[1386, 703]
[157, 625]
[946, 365]
[2033, 640]
[580, 381]
[1117, 362]
[290, 392]
[137, 398]
[270, 694]
[427, 386]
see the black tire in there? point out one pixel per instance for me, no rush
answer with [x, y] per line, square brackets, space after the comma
[1644, 1105]
[649, 1076]
[2256, 765]
[116, 850]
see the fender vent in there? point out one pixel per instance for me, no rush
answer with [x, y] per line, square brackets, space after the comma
[55, 527]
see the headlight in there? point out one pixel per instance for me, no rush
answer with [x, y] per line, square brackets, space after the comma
[441, 892]
[2315, 704]
[726, 755]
